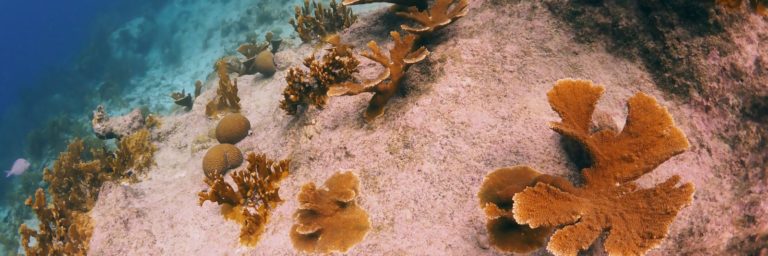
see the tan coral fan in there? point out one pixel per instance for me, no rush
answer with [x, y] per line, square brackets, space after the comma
[256, 196]
[442, 13]
[232, 128]
[496, 200]
[388, 83]
[329, 219]
[638, 218]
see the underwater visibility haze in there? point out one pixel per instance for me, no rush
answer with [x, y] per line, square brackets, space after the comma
[384, 127]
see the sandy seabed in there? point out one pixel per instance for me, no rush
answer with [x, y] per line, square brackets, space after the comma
[477, 104]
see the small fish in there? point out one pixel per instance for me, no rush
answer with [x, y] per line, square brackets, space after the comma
[20, 166]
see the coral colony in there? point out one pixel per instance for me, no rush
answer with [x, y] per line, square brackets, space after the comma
[525, 209]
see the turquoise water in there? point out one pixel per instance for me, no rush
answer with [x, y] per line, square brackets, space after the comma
[64, 58]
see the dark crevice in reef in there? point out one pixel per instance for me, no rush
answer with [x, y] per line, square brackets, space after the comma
[667, 36]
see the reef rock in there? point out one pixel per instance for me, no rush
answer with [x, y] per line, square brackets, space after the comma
[106, 127]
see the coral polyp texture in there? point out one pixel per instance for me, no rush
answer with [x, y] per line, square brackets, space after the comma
[329, 219]
[306, 89]
[256, 196]
[232, 128]
[402, 55]
[442, 13]
[314, 21]
[496, 201]
[226, 99]
[638, 218]
[221, 158]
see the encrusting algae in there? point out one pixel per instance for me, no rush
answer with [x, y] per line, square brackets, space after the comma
[638, 218]
[329, 219]
[256, 196]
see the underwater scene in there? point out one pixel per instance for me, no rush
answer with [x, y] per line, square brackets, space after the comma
[384, 127]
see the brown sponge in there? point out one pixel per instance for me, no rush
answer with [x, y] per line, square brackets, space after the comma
[232, 128]
[221, 158]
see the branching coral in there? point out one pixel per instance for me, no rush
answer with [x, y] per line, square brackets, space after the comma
[388, 83]
[134, 155]
[325, 22]
[255, 197]
[61, 231]
[638, 218]
[442, 13]
[74, 185]
[329, 219]
[310, 88]
[226, 98]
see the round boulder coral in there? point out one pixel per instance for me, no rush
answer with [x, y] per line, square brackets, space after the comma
[221, 158]
[265, 63]
[232, 128]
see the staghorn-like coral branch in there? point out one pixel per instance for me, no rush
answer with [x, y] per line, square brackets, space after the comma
[439, 15]
[638, 218]
[387, 84]
[226, 98]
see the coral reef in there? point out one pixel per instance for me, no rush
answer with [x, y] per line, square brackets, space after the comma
[106, 127]
[638, 218]
[221, 158]
[74, 184]
[232, 128]
[226, 98]
[134, 155]
[496, 201]
[258, 59]
[437, 17]
[325, 22]
[256, 195]
[60, 232]
[310, 88]
[198, 88]
[182, 99]
[329, 219]
[387, 84]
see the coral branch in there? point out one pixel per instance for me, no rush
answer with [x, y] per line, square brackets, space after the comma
[226, 98]
[400, 58]
[255, 197]
[439, 15]
[325, 22]
[638, 218]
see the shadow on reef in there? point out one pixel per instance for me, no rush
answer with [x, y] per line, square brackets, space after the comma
[667, 36]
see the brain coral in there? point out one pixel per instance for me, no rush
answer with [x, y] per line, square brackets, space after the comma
[232, 128]
[221, 158]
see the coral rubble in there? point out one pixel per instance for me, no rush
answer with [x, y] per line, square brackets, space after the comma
[421, 4]
[106, 127]
[226, 98]
[329, 219]
[232, 128]
[306, 89]
[256, 195]
[388, 83]
[638, 218]
[325, 22]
